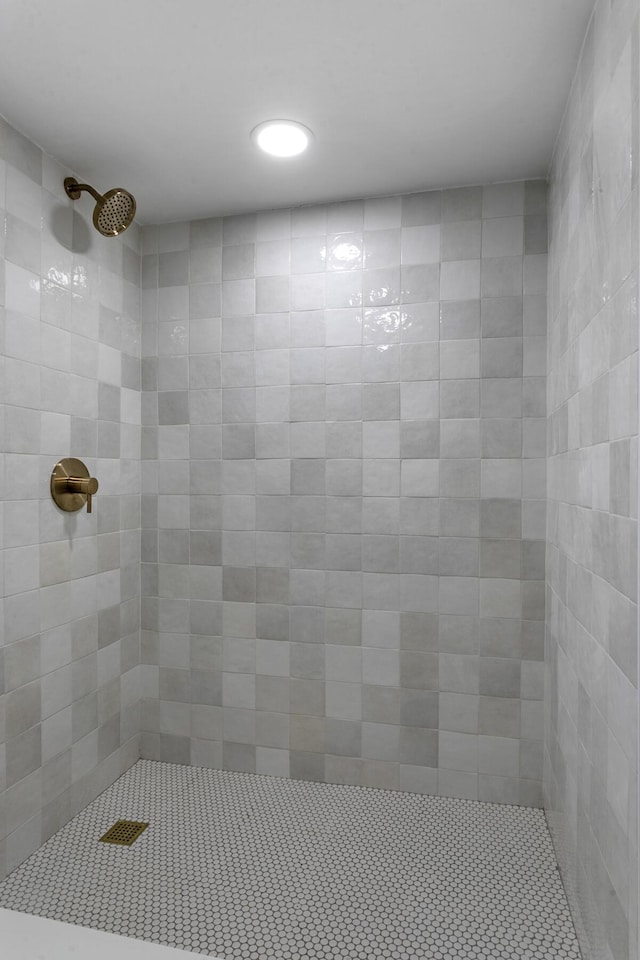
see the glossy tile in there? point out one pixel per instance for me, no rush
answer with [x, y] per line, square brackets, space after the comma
[357, 437]
[585, 586]
[70, 592]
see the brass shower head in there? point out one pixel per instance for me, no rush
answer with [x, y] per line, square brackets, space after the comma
[114, 210]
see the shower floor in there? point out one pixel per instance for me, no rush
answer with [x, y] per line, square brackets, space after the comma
[252, 867]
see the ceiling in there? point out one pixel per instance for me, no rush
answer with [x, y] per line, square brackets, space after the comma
[160, 96]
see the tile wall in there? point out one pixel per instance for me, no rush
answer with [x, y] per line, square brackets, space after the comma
[69, 583]
[592, 639]
[343, 492]
[343, 475]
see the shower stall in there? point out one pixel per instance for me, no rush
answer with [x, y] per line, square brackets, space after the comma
[319, 560]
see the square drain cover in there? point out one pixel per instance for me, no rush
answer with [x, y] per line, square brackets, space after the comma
[124, 832]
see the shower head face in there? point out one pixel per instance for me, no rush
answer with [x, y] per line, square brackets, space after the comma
[114, 212]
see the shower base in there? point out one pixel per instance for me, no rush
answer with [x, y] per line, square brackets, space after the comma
[252, 867]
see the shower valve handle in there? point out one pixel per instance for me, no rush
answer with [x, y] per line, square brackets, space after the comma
[86, 485]
[72, 485]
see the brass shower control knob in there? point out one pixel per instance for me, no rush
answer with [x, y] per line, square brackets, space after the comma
[72, 485]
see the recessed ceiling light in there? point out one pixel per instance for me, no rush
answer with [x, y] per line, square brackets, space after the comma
[282, 138]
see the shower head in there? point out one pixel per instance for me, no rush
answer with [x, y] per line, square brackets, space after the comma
[114, 210]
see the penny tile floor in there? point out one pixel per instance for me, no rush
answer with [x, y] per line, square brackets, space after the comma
[250, 867]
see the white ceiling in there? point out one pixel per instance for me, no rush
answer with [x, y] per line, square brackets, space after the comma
[159, 96]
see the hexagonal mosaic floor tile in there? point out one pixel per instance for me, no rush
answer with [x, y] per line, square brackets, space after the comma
[251, 867]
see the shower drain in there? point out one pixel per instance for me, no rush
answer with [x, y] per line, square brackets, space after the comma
[124, 832]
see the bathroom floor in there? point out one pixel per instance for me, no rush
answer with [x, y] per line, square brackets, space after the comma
[252, 867]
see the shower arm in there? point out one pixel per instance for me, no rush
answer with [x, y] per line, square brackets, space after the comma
[73, 189]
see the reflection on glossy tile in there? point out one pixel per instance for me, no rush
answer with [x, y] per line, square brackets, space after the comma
[381, 286]
[381, 325]
[344, 252]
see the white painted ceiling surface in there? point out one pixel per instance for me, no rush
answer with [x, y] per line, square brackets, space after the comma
[160, 96]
